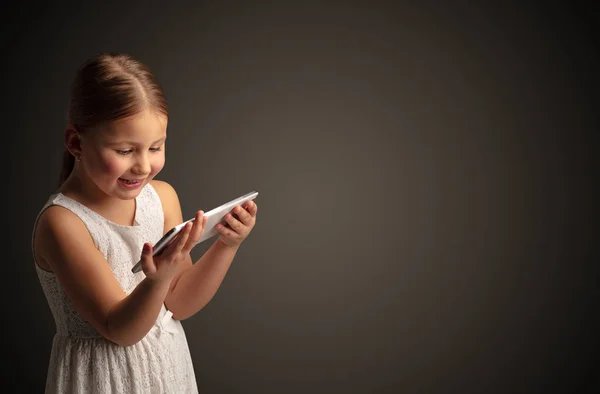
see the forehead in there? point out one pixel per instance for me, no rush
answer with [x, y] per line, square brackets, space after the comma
[145, 126]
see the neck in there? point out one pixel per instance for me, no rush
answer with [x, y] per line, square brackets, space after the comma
[80, 187]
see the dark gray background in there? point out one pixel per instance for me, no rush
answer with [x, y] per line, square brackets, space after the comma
[425, 176]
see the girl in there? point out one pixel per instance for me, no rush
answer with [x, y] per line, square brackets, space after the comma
[119, 332]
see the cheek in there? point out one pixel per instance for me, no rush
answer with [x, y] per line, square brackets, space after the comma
[157, 164]
[113, 166]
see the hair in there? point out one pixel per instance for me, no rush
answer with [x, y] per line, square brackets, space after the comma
[108, 87]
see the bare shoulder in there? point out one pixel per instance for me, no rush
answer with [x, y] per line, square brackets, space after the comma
[58, 226]
[63, 242]
[164, 189]
[170, 202]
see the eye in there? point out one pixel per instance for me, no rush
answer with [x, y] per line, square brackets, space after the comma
[155, 149]
[123, 152]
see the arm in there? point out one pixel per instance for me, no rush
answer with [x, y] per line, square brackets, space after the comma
[64, 243]
[197, 285]
[194, 285]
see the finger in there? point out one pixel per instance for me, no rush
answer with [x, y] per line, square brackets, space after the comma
[181, 239]
[225, 231]
[195, 232]
[234, 223]
[243, 215]
[198, 227]
[252, 208]
[147, 261]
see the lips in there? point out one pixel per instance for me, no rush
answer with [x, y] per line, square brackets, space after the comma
[130, 183]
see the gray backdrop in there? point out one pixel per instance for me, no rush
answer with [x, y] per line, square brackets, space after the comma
[425, 177]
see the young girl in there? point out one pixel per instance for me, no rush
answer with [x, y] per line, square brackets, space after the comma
[116, 331]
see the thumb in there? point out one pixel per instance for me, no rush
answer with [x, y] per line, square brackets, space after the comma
[147, 255]
[146, 250]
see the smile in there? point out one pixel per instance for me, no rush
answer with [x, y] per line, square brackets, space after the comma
[130, 183]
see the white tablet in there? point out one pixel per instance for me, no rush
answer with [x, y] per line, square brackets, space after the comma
[214, 217]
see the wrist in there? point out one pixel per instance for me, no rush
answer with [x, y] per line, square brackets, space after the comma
[224, 246]
[158, 283]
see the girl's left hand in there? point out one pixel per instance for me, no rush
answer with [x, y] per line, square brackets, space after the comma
[239, 228]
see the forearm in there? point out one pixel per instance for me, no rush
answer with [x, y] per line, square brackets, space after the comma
[131, 319]
[197, 285]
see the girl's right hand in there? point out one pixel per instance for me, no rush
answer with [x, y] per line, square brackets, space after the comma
[165, 266]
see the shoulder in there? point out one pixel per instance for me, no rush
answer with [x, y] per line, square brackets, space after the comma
[60, 235]
[67, 249]
[59, 227]
[170, 202]
[59, 220]
[164, 189]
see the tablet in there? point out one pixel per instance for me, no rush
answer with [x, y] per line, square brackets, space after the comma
[214, 217]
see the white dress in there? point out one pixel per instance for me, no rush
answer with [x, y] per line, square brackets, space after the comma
[81, 360]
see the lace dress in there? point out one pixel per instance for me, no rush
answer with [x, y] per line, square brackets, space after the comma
[81, 360]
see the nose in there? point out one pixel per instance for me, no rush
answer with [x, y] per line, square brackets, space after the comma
[142, 165]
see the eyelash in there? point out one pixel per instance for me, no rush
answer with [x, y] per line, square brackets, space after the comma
[126, 152]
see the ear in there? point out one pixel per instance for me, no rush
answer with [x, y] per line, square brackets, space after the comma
[73, 141]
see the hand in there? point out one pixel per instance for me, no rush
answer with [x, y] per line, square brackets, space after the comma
[165, 266]
[238, 228]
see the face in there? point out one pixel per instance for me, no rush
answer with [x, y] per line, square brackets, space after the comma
[125, 156]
